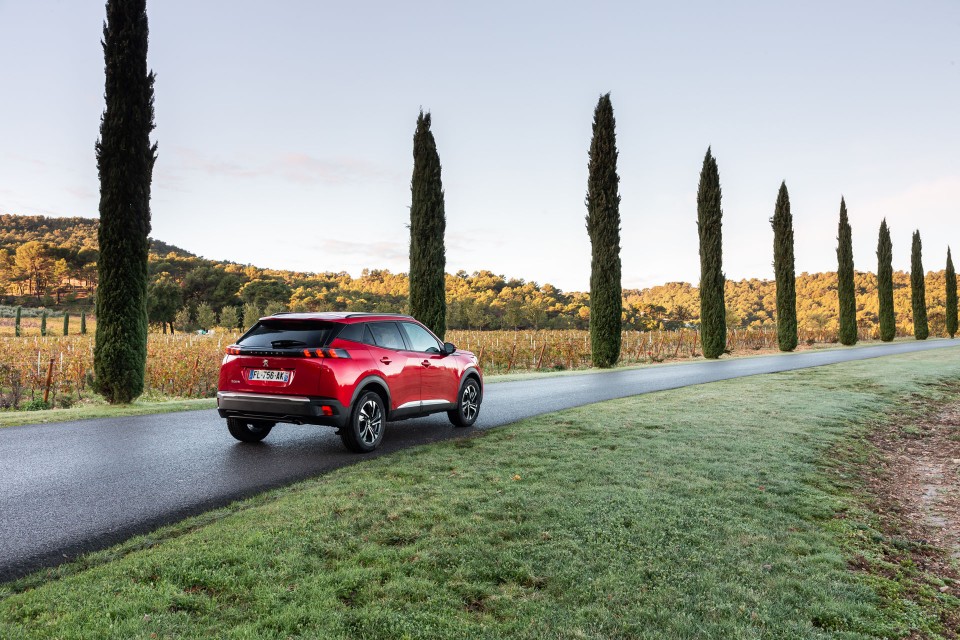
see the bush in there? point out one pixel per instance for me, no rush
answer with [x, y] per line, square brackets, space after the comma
[36, 404]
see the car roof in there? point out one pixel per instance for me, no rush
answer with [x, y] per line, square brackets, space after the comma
[346, 317]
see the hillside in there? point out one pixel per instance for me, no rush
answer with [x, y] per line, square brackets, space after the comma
[53, 261]
[74, 234]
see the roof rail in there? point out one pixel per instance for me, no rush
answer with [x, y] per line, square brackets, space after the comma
[362, 314]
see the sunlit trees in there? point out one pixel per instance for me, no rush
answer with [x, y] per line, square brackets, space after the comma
[603, 226]
[264, 291]
[229, 318]
[783, 268]
[164, 299]
[125, 159]
[251, 315]
[713, 311]
[427, 227]
[846, 293]
[918, 290]
[206, 317]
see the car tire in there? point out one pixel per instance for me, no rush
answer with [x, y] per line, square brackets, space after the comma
[468, 405]
[364, 432]
[248, 430]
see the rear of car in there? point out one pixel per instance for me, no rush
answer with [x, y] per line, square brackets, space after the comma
[285, 370]
[349, 371]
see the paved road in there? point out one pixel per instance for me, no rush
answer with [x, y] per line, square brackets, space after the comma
[69, 488]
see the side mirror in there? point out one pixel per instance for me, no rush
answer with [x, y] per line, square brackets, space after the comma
[448, 348]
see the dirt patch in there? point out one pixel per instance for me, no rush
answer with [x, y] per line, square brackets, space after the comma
[920, 482]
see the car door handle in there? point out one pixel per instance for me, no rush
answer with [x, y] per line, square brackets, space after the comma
[385, 360]
[425, 363]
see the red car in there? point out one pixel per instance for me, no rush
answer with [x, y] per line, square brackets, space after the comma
[353, 371]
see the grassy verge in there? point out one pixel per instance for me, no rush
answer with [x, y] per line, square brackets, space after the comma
[104, 410]
[718, 511]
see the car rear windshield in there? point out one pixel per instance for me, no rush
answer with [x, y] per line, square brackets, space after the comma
[292, 334]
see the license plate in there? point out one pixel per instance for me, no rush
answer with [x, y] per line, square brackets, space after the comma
[269, 375]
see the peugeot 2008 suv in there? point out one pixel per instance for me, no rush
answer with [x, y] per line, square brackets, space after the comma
[353, 371]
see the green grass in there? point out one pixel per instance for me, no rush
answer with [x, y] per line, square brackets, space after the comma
[718, 511]
[103, 410]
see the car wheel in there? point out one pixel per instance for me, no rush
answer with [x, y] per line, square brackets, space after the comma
[248, 430]
[364, 432]
[468, 406]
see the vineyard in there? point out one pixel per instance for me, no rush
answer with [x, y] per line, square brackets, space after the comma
[57, 370]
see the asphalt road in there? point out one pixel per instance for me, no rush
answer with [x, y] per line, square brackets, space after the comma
[70, 488]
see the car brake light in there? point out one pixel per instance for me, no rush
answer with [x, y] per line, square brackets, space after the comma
[233, 350]
[326, 353]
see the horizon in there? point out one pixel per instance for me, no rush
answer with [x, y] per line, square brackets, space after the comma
[312, 128]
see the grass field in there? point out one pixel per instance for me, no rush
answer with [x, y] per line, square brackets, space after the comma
[728, 510]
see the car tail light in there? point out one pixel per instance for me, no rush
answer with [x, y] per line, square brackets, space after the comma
[326, 353]
[234, 350]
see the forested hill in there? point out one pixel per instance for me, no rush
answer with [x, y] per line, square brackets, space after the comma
[73, 234]
[52, 261]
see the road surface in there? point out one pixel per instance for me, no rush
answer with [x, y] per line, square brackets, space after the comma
[70, 488]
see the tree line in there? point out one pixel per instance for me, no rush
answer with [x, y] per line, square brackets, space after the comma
[189, 292]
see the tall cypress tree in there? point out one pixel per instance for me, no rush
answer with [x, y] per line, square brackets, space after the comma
[66, 323]
[603, 226]
[16, 324]
[783, 268]
[951, 306]
[918, 290]
[888, 320]
[428, 302]
[713, 311]
[845, 287]
[125, 159]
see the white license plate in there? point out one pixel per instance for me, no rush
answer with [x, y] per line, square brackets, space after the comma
[269, 375]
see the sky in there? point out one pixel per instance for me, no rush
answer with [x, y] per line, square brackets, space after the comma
[285, 129]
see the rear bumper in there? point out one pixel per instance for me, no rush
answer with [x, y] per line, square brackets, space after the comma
[277, 408]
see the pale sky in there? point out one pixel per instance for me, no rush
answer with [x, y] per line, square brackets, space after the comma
[285, 128]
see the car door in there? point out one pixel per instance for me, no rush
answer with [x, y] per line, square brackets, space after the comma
[389, 351]
[438, 379]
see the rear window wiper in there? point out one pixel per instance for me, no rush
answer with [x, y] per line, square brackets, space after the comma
[280, 344]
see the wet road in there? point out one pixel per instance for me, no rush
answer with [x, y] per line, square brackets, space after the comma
[69, 488]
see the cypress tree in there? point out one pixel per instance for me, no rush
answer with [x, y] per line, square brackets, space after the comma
[428, 300]
[16, 324]
[918, 290]
[603, 226]
[845, 287]
[43, 324]
[125, 159]
[713, 311]
[888, 321]
[66, 324]
[951, 306]
[783, 267]
[83, 323]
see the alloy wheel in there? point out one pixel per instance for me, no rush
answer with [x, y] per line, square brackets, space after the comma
[371, 422]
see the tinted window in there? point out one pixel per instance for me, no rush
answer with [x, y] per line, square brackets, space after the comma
[352, 332]
[281, 334]
[387, 335]
[420, 339]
